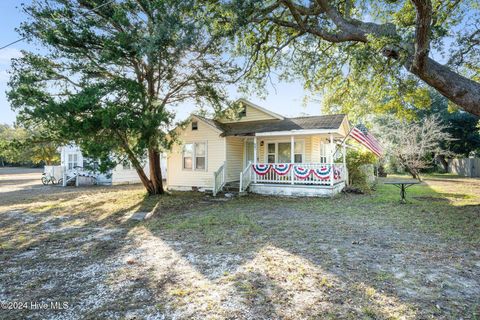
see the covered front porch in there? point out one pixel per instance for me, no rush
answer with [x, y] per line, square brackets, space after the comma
[296, 163]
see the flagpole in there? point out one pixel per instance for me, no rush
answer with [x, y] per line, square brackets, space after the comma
[343, 141]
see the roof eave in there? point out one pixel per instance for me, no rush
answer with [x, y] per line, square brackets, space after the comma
[297, 132]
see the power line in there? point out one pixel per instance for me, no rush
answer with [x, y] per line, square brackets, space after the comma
[12, 43]
[21, 39]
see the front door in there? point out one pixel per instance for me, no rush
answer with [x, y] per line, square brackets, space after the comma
[249, 154]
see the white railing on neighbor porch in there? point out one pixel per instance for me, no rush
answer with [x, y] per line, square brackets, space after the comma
[297, 173]
[218, 179]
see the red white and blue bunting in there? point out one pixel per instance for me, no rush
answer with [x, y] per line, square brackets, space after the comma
[322, 173]
[282, 168]
[261, 169]
[337, 174]
[301, 173]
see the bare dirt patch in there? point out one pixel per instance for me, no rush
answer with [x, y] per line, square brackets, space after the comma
[352, 257]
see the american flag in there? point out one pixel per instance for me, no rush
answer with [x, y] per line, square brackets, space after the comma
[361, 134]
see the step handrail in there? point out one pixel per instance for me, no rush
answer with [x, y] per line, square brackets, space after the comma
[245, 177]
[219, 179]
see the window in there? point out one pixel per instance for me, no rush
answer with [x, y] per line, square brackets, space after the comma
[285, 151]
[200, 153]
[195, 156]
[126, 165]
[271, 153]
[323, 152]
[187, 156]
[194, 125]
[243, 112]
[298, 151]
[72, 161]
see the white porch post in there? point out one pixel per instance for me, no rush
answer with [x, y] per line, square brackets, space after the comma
[332, 150]
[255, 156]
[344, 152]
[292, 156]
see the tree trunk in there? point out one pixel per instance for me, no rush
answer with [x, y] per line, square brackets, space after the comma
[155, 171]
[143, 177]
[443, 162]
[413, 172]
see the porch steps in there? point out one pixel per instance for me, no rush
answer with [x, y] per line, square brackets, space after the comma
[232, 187]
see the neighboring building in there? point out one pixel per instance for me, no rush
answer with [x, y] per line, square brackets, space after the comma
[73, 163]
[262, 152]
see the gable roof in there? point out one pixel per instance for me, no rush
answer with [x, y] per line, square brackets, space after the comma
[212, 123]
[250, 128]
[253, 105]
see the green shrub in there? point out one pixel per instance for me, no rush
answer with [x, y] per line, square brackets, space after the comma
[356, 176]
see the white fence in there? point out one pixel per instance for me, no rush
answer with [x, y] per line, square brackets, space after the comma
[54, 171]
[467, 167]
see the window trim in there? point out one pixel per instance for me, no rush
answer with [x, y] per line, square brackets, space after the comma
[243, 113]
[276, 142]
[74, 160]
[194, 156]
[196, 125]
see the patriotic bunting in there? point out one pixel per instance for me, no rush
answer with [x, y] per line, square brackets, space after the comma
[322, 173]
[261, 169]
[281, 169]
[301, 173]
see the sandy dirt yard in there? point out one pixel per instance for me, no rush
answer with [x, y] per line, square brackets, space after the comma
[77, 253]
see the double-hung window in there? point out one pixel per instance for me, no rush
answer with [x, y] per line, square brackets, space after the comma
[323, 152]
[298, 151]
[188, 156]
[195, 156]
[200, 156]
[72, 161]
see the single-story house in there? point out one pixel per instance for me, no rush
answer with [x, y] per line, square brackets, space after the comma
[262, 152]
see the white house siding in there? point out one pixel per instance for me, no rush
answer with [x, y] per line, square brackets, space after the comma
[178, 178]
[252, 115]
[235, 157]
[125, 175]
[121, 175]
[315, 157]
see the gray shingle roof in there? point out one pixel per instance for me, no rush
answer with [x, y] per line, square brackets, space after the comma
[287, 124]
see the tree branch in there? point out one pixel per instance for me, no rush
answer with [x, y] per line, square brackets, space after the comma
[422, 32]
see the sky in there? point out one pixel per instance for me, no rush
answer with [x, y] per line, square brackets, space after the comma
[284, 98]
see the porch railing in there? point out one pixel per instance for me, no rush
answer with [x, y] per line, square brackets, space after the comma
[246, 177]
[297, 173]
[218, 179]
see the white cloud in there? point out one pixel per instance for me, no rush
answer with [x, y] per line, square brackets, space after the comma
[7, 54]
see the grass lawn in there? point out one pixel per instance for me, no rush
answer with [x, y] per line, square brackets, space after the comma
[253, 257]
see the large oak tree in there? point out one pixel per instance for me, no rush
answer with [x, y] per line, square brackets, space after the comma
[113, 71]
[369, 55]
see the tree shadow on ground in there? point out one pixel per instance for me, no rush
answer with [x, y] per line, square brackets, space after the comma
[389, 259]
[251, 257]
